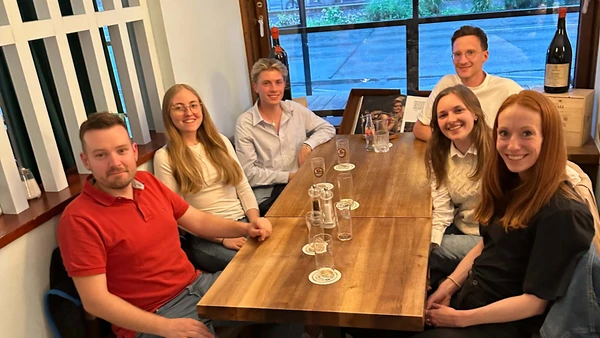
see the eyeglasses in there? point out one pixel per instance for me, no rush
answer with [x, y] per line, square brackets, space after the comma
[180, 108]
[470, 54]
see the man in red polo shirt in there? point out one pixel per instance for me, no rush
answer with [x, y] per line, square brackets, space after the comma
[119, 241]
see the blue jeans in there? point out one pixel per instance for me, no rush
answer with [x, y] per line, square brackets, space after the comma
[206, 255]
[184, 305]
[444, 259]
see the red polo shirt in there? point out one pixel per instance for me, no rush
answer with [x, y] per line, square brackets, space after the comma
[134, 242]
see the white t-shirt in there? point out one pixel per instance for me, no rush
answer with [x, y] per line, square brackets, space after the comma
[491, 94]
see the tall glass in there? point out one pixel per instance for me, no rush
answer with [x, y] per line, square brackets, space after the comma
[322, 245]
[314, 223]
[318, 169]
[343, 152]
[344, 221]
[382, 136]
[346, 188]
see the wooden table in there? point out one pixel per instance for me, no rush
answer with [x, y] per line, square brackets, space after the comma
[383, 269]
[386, 185]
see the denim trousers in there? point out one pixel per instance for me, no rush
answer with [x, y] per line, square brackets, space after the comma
[206, 255]
[444, 259]
[184, 305]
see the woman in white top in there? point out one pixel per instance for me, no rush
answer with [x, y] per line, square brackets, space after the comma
[460, 141]
[200, 164]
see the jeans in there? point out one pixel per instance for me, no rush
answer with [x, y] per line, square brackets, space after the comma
[444, 259]
[206, 255]
[184, 305]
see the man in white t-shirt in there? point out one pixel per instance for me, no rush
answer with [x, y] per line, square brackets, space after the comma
[469, 53]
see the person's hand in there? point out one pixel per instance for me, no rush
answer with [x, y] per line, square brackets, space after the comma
[291, 175]
[444, 316]
[441, 296]
[186, 327]
[234, 243]
[260, 228]
[305, 150]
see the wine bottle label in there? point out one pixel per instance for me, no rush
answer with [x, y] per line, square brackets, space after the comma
[557, 75]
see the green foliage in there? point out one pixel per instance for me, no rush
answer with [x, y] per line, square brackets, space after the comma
[285, 19]
[430, 7]
[522, 4]
[335, 16]
[380, 10]
[480, 6]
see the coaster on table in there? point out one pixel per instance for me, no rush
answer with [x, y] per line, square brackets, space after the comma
[312, 275]
[325, 185]
[344, 167]
[354, 206]
[390, 145]
[305, 250]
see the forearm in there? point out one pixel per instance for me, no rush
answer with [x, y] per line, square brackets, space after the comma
[422, 131]
[252, 214]
[460, 273]
[506, 310]
[205, 225]
[121, 313]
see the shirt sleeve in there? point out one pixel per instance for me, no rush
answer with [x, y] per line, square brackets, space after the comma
[443, 210]
[320, 131]
[243, 190]
[246, 152]
[163, 171]
[561, 238]
[81, 246]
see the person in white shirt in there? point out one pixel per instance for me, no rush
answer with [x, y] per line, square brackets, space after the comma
[199, 164]
[469, 53]
[274, 137]
[460, 142]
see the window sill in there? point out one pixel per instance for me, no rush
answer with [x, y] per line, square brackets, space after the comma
[51, 204]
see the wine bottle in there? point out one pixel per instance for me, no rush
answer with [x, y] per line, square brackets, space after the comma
[558, 58]
[277, 52]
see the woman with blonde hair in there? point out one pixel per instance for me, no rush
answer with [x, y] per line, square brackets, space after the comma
[534, 228]
[200, 164]
[460, 142]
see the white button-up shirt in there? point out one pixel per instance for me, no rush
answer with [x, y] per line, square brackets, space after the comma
[268, 157]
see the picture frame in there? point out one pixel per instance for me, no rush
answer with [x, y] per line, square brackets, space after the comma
[380, 102]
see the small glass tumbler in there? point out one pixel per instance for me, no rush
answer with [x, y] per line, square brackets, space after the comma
[318, 169]
[314, 223]
[343, 152]
[382, 137]
[345, 187]
[322, 245]
[32, 189]
[344, 221]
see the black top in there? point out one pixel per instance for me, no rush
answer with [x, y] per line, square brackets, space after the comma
[539, 259]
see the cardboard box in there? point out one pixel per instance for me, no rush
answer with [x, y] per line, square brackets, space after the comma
[575, 108]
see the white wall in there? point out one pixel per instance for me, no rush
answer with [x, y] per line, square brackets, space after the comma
[24, 278]
[201, 43]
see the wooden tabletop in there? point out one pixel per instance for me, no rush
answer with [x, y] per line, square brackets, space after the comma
[391, 184]
[383, 280]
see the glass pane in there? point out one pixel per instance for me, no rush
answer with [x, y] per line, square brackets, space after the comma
[517, 47]
[431, 8]
[360, 58]
[283, 13]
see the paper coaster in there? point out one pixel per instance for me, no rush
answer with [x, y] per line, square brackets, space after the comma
[306, 252]
[312, 275]
[344, 167]
[325, 185]
[354, 206]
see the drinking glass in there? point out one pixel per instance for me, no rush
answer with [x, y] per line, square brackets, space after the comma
[318, 169]
[344, 221]
[382, 136]
[343, 152]
[322, 245]
[314, 223]
[346, 188]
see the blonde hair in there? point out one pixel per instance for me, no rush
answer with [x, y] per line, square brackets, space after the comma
[185, 165]
[265, 64]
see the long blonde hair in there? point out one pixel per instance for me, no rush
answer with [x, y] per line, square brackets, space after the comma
[186, 166]
[503, 194]
[438, 147]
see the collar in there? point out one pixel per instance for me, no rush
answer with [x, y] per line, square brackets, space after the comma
[455, 152]
[103, 197]
[256, 118]
[486, 79]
